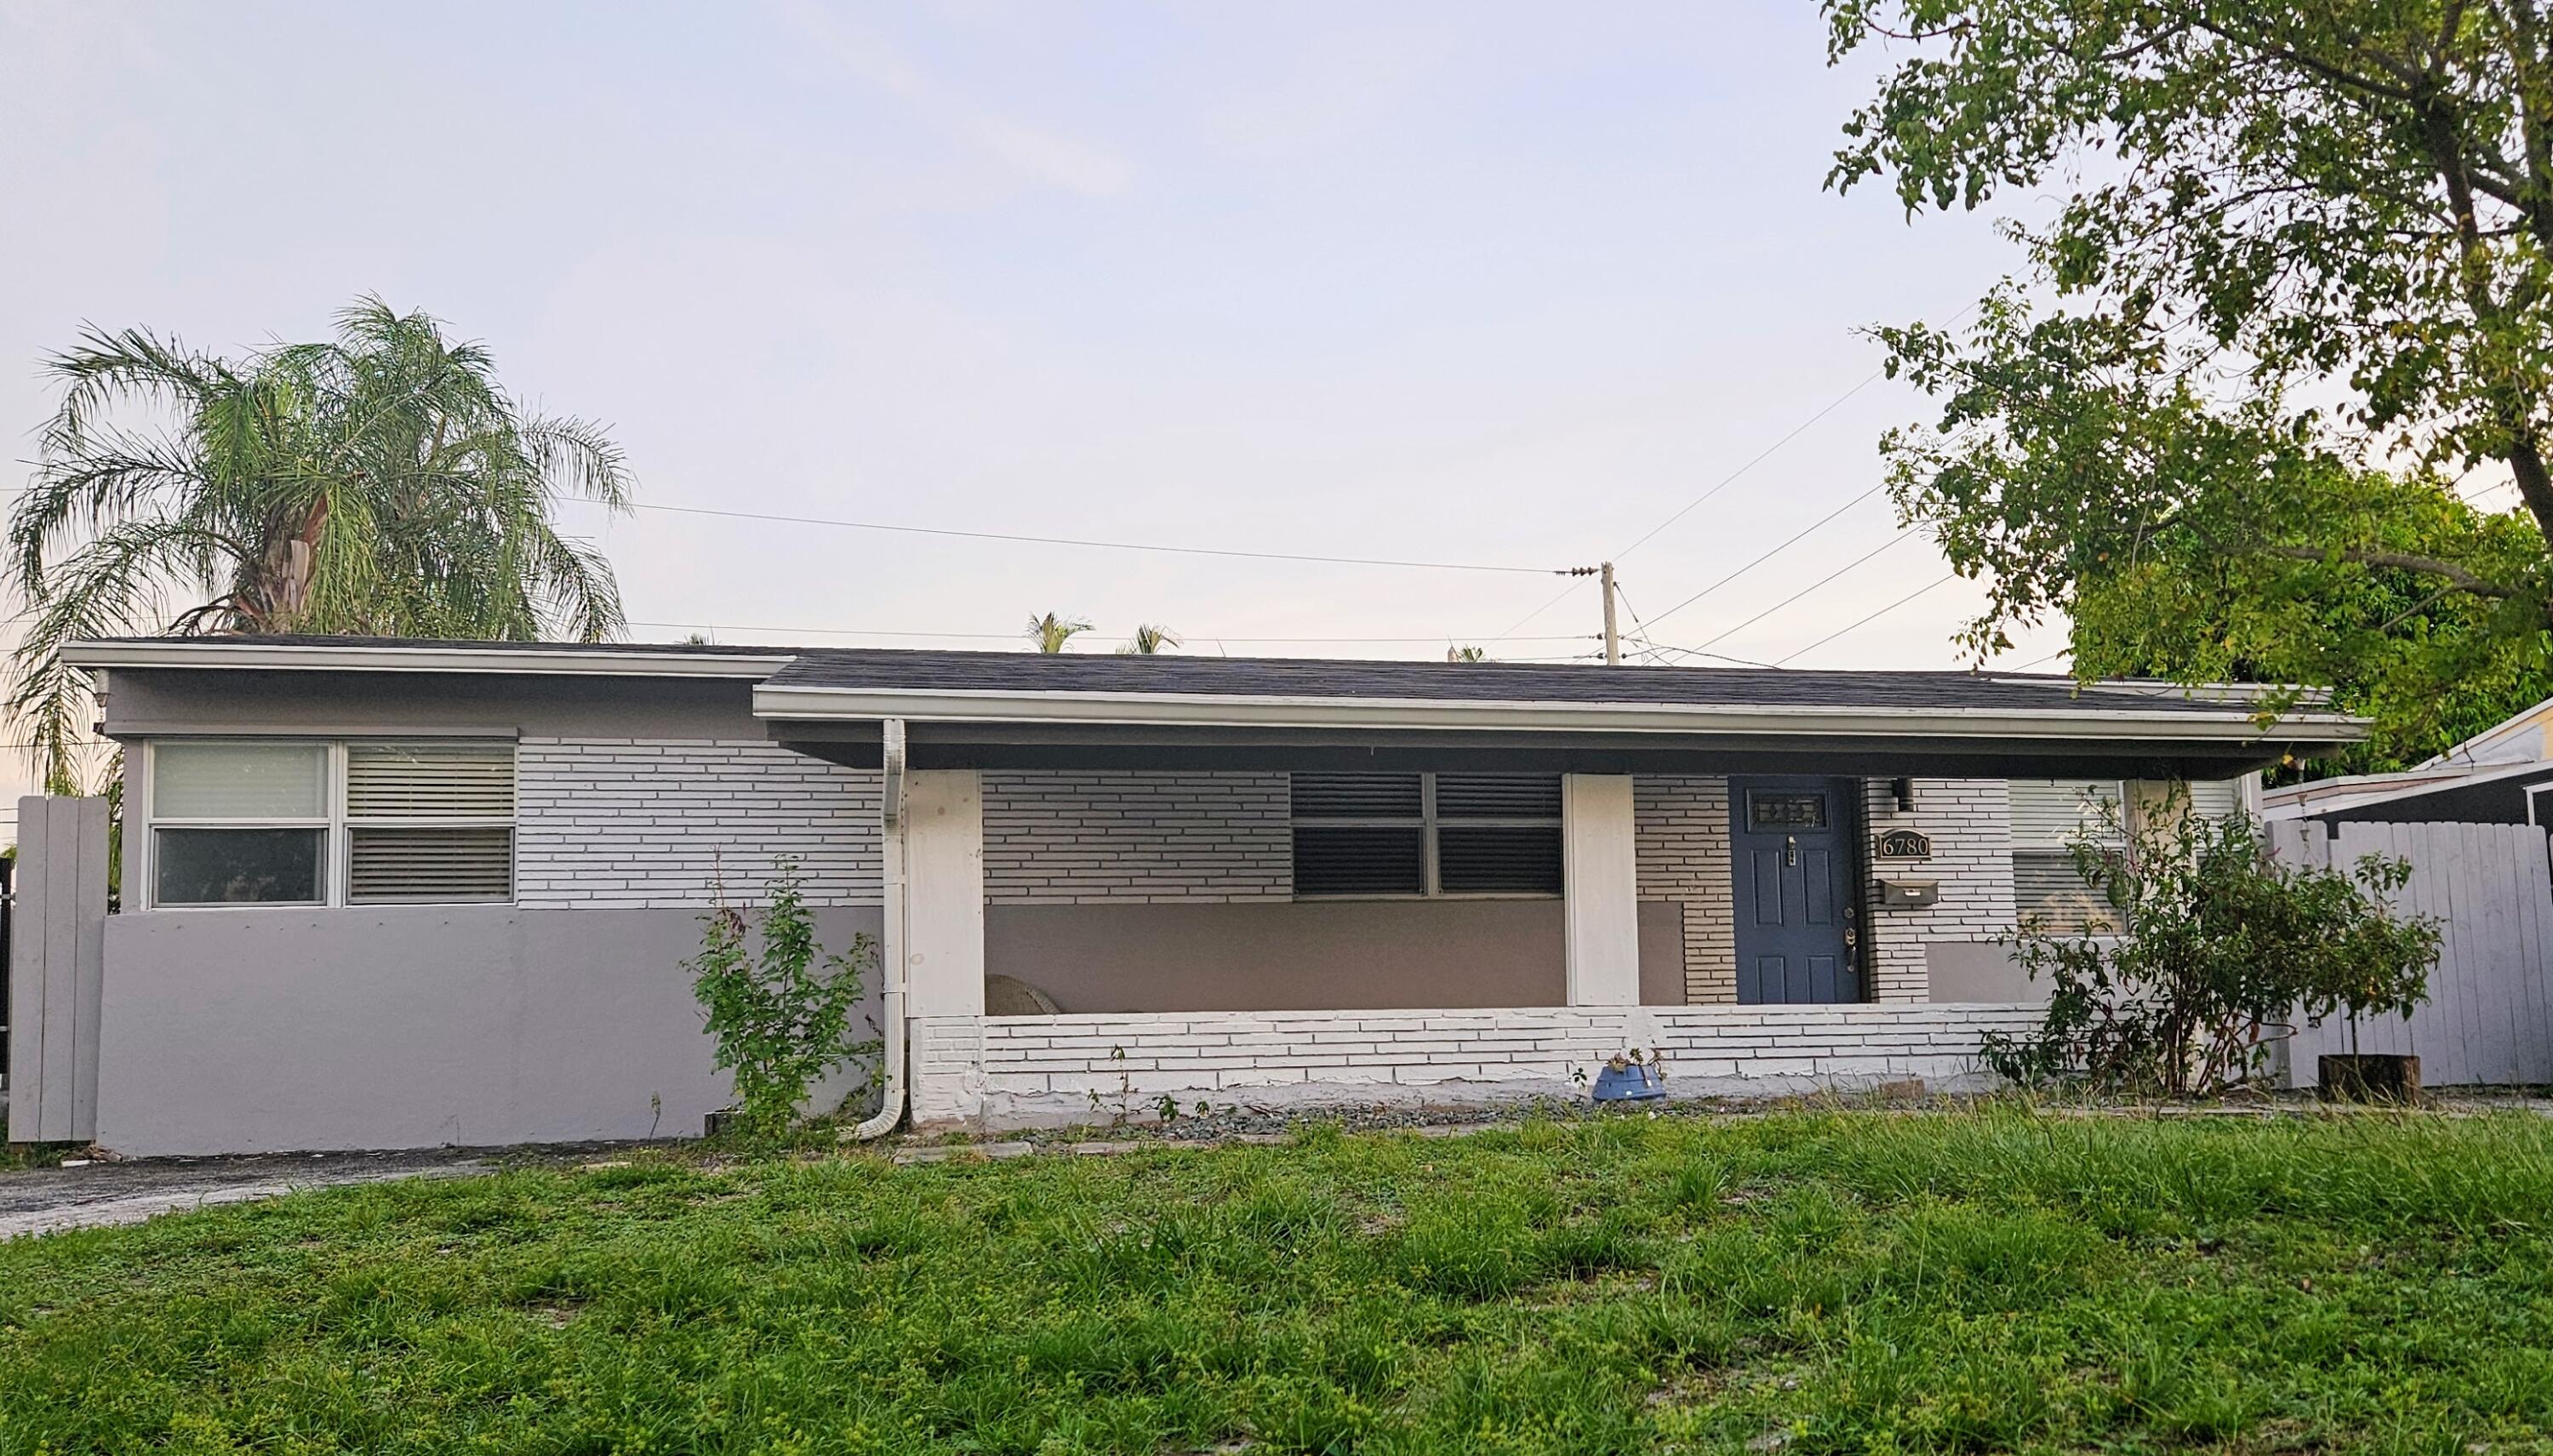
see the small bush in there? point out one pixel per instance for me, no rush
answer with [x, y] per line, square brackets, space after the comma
[779, 1025]
[2208, 945]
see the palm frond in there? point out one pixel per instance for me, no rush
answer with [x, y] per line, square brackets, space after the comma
[379, 482]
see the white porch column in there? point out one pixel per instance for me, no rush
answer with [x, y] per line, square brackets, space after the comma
[943, 942]
[1601, 879]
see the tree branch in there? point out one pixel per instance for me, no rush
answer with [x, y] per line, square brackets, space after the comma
[2454, 575]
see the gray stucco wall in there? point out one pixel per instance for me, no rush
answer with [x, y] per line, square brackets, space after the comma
[256, 1030]
[1981, 971]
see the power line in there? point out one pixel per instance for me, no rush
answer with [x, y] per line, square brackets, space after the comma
[1865, 621]
[1657, 646]
[1794, 539]
[1722, 484]
[1896, 540]
[1100, 545]
[1731, 477]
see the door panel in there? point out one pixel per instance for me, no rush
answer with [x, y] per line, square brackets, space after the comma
[1768, 887]
[1797, 867]
[1816, 879]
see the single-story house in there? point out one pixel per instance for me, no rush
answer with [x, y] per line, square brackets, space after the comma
[399, 893]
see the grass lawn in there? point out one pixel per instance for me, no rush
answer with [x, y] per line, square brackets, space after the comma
[1812, 1282]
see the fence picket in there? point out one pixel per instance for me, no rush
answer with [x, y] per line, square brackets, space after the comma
[2489, 1018]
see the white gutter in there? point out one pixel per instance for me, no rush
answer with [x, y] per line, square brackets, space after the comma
[599, 660]
[891, 983]
[1221, 710]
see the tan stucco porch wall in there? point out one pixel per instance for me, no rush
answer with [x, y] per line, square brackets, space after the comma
[1307, 956]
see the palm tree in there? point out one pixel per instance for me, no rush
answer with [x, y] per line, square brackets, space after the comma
[379, 485]
[1149, 639]
[1051, 631]
[1467, 654]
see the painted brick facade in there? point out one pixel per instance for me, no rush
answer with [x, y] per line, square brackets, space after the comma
[1679, 833]
[1055, 837]
[644, 823]
[1012, 1072]
[1970, 821]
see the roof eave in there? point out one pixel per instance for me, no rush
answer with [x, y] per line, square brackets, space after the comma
[1175, 710]
[600, 661]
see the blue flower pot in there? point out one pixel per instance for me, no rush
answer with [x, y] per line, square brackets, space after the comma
[1629, 1083]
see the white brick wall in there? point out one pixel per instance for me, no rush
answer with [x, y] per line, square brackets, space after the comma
[648, 823]
[1049, 1069]
[1679, 833]
[1970, 821]
[1053, 838]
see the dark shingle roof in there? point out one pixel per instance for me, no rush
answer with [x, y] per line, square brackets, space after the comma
[903, 670]
[1498, 682]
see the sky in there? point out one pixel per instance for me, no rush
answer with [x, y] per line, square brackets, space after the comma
[1489, 285]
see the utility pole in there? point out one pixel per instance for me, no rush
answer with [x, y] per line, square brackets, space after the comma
[1612, 638]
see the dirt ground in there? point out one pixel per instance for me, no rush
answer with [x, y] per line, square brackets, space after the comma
[41, 1200]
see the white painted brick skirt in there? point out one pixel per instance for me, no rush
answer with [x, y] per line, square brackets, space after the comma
[1028, 1071]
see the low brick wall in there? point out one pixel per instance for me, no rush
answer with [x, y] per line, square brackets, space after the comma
[1043, 1071]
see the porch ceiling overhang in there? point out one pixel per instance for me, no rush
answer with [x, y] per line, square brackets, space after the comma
[960, 728]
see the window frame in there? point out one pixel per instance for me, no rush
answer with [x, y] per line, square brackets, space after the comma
[336, 825]
[2104, 790]
[1427, 820]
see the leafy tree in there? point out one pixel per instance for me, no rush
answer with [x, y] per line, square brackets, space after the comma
[379, 484]
[780, 1020]
[1052, 631]
[1149, 640]
[2298, 279]
[2207, 946]
[1467, 654]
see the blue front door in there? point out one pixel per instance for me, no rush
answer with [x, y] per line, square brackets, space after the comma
[1793, 866]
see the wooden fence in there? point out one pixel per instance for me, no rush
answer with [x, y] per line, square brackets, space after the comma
[57, 969]
[2489, 1018]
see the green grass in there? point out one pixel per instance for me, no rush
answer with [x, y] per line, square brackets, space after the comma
[18, 1157]
[1820, 1282]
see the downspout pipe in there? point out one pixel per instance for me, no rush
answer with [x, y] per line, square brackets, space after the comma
[891, 989]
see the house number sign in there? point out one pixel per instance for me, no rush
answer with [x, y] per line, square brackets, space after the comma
[1903, 844]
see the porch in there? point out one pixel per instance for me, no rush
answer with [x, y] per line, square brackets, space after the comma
[1241, 938]
[1226, 880]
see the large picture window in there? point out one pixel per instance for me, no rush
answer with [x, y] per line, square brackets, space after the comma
[235, 821]
[1425, 835]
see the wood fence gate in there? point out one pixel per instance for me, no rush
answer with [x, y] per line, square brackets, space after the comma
[57, 969]
[2489, 1018]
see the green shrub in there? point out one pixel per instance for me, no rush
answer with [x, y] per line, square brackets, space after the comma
[2210, 944]
[778, 1023]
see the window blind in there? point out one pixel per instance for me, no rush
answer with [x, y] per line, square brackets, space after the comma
[239, 781]
[429, 822]
[1415, 835]
[430, 781]
[2050, 814]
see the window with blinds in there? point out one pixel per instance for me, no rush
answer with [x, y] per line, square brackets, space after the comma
[262, 822]
[239, 824]
[2048, 817]
[429, 822]
[1425, 835]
